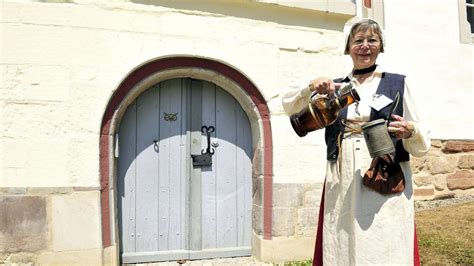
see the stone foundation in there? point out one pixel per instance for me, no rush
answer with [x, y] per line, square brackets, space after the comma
[446, 171]
[50, 226]
[23, 224]
[294, 216]
[295, 209]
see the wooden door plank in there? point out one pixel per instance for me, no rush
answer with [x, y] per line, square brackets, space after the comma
[144, 257]
[147, 170]
[187, 166]
[245, 144]
[126, 179]
[226, 172]
[209, 226]
[195, 234]
[169, 163]
[178, 158]
[221, 253]
[164, 168]
[154, 256]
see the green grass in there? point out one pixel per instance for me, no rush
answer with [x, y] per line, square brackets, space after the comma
[299, 263]
[446, 235]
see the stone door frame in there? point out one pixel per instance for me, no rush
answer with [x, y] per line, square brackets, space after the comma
[227, 77]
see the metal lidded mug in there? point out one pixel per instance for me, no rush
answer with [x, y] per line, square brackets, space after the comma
[377, 138]
[376, 134]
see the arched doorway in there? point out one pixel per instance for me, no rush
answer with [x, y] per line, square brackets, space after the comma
[184, 177]
[226, 77]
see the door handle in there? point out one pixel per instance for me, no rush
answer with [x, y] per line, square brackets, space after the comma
[205, 158]
[208, 131]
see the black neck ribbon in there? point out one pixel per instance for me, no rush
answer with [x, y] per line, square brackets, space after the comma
[364, 70]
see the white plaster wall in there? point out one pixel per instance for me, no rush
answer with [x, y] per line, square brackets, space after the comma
[424, 43]
[61, 62]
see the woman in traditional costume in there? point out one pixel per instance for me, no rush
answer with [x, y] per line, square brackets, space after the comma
[357, 225]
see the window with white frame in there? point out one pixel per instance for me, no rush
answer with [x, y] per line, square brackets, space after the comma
[466, 20]
[470, 13]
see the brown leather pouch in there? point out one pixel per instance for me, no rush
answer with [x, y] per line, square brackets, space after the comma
[384, 176]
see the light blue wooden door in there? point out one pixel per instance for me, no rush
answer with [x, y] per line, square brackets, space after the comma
[169, 209]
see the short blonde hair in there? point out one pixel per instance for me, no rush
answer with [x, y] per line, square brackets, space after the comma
[364, 25]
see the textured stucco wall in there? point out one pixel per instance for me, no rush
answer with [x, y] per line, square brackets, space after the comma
[62, 61]
[423, 43]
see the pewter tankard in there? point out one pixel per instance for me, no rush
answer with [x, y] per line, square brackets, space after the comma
[377, 138]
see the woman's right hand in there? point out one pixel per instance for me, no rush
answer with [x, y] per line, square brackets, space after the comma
[323, 85]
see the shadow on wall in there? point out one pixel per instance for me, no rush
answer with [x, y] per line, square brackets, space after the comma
[288, 16]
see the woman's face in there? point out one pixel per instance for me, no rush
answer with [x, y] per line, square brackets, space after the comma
[364, 48]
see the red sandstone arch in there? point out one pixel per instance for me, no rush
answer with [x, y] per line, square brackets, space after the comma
[168, 63]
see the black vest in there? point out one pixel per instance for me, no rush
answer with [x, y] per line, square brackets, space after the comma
[389, 85]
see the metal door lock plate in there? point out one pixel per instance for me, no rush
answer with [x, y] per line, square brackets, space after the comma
[202, 159]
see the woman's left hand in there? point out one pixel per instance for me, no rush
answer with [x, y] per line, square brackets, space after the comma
[399, 127]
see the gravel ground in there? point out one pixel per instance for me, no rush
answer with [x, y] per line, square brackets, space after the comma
[431, 204]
